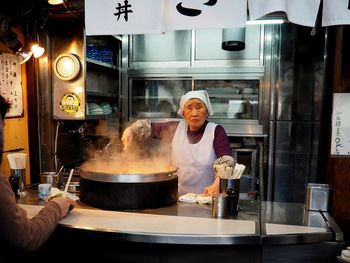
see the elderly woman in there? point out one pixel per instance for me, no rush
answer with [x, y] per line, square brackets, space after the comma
[197, 144]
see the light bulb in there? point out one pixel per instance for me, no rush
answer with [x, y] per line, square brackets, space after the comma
[23, 55]
[37, 50]
[55, 2]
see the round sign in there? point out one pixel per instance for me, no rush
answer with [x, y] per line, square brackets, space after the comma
[70, 103]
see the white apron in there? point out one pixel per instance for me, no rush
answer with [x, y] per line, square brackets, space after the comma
[194, 161]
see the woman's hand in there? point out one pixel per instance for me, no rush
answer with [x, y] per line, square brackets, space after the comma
[127, 138]
[140, 131]
[212, 189]
[66, 204]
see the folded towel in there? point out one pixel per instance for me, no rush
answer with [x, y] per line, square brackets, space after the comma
[195, 198]
[57, 192]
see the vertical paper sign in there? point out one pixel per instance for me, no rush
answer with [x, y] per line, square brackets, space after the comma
[11, 83]
[340, 144]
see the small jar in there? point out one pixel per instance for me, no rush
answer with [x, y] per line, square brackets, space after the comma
[218, 205]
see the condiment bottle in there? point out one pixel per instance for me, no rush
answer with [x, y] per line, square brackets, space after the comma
[232, 201]
[14, 181]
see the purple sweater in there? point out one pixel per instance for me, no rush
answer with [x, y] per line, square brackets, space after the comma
[166, 130]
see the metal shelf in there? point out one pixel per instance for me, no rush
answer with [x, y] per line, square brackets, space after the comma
[100, 63]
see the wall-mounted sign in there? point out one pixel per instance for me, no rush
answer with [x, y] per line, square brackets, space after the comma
[70, 103]
[11, 83]
[340, 144]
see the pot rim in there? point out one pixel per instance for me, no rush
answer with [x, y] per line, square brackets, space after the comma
[129, 178]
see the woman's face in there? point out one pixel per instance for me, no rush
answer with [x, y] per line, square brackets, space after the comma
[195, 113]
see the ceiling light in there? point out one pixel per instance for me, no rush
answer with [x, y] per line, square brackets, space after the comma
[37, 50]
[55, 2]
[266, 22]
[233, 39]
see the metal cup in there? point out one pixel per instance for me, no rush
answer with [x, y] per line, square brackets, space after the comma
[49, 178]
[218, 205]
[231, 188]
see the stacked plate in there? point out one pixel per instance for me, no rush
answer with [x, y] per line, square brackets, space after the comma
[93, 52]
[95, 109]
[107, 109]
[103, 108]
[106, 55]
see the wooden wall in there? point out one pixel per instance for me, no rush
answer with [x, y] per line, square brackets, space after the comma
[338, 169]
[16, 129]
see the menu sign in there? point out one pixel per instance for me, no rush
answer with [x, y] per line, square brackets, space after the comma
[11, 83]
[340, 144]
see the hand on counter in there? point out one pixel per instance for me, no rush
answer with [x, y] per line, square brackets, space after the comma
[66, 204]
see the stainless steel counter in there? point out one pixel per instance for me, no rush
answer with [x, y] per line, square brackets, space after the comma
[188, 223]
[181, 223]
[262, 232]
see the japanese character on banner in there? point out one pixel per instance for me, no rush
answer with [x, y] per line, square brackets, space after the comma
[336, 12]
[156, 16]
[189, 14]
[108, 17]
[301, 12]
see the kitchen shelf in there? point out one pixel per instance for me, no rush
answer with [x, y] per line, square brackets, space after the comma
[97, 94]
[100, 63]
[234, 96]
[98, 117]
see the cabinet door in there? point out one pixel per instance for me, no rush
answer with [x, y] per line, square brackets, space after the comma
[170, 47]
[232, 99]
[157, 97]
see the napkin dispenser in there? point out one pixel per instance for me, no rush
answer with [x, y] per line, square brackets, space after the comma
[317, 197]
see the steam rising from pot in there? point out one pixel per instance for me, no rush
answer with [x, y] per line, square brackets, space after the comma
[151, 156]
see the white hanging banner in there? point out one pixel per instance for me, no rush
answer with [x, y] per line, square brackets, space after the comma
[336, 12]
[114, 17]
[301, 12]
[189, 14]
[340, 144]
[111, 17]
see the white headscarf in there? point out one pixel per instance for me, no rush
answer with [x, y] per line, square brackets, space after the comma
[196, 94]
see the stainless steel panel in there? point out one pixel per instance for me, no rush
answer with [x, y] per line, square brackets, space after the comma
[295, 112]
[208, 45]
[242, 128]
[301, 76]
[295, 159]
[170, 46]
[63, 41]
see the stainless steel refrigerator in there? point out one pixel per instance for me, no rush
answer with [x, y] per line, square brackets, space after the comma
[296, 114]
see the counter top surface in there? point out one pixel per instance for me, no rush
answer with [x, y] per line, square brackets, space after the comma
[132, 222]
[188, 223]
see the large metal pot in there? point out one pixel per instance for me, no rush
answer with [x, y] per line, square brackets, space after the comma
[116, 191]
